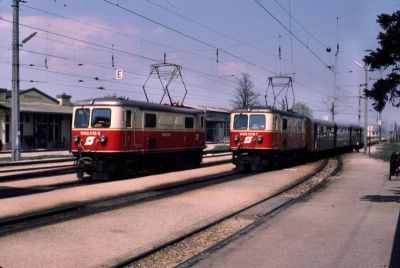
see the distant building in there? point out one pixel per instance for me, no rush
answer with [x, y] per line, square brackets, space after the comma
[45, 122]
[217, 123]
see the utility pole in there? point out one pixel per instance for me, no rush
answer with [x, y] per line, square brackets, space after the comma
[366, 104]
[359, 105]
[366, 110]
[15, 132]
[333, 111]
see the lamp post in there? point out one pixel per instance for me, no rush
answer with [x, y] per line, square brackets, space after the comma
[366, 104]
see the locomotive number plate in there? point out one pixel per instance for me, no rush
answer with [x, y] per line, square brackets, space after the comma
[95, 133]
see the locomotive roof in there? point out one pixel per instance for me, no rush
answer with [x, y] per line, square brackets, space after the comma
[269, 110]
[114, 101]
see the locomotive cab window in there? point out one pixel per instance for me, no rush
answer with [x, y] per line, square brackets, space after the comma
[240, 121]
[150, 120]
[189, 122]
[101, 117]
[257, 121]
[81, 118]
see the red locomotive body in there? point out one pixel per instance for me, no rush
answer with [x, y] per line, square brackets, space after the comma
[261, 136]
[113, 134]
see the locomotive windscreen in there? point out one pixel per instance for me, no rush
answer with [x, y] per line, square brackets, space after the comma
[101, 117]
[257, 121]
[240, 121]
[81, 118]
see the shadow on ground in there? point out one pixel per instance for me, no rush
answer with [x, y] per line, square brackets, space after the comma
[394, 198]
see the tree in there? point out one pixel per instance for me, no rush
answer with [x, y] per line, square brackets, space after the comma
[302, 108]
[386, 57]
[245, 97]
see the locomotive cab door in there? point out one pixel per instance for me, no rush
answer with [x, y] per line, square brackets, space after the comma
[128, 136]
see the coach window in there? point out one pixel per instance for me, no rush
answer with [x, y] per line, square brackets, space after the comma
[189, 122]
[150, 120]
[299, 126]
[81, 118]
[240, 121]
[202, 122]
[128, 122]
[257, 121]
[284, 124]
[101, 117]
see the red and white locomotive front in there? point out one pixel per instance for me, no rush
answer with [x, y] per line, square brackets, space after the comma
[97, 129]
[254, 130]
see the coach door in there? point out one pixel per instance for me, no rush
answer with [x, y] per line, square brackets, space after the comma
[128, 132]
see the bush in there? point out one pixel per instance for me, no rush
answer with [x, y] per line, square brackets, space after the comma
[385, 151]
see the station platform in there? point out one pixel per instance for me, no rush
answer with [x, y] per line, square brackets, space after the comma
[354, 222]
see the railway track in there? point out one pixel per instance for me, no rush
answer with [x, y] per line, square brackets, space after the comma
[109, 205]
[85, 208]
[157, 191]
[179, 251]
[11, 171]
[36, 187]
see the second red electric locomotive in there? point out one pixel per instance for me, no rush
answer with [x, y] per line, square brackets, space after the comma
[261, 136]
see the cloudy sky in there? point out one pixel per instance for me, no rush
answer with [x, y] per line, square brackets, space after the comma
[80, 44]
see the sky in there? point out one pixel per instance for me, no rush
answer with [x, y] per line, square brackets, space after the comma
[80, 44]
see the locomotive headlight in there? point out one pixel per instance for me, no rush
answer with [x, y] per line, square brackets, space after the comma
[236, 138]
[76, 138]
[102, 139]
[259, 139]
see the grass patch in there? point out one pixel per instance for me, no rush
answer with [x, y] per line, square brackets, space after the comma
[221, 147]
[384, 151]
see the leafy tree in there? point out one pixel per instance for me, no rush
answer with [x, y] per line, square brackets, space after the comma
[302, 108]
[386, 57]
[245, 97]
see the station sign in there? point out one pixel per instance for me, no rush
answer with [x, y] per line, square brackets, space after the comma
[119, 74]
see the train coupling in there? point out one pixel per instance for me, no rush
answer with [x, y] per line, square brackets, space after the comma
[247, 162]
[85, 165]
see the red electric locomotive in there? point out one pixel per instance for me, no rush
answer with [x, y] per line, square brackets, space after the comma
[262, 136]
[114, 134]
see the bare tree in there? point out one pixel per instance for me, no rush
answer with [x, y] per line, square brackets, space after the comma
[245, 97]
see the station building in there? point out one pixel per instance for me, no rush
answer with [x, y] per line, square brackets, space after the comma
[217, 124]
[45, 122]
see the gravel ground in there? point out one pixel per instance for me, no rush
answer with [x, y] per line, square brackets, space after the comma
[181, 251]
[313, 181]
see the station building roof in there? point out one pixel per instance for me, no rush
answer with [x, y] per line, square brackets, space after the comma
[35, 101]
